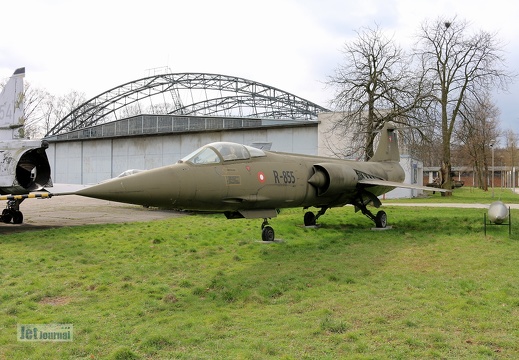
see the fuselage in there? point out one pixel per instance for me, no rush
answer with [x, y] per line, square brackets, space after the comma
[253, 180]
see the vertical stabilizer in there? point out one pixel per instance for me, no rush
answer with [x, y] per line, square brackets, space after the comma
[12, 106]
[387, 149]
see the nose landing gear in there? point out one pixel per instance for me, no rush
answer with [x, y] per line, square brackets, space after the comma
[12, 213]
[267, 232]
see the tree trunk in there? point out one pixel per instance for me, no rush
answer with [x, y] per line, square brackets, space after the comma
[446, 168]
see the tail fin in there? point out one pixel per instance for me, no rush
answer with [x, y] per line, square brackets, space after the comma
[12, 106]
[387, 149]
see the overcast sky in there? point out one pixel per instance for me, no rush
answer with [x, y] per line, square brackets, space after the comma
[294, 45]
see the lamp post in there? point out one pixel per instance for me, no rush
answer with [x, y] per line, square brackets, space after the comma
[513, 167]
[492, 142]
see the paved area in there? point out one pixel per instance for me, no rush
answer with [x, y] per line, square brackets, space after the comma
[73, 210]
[454, 205]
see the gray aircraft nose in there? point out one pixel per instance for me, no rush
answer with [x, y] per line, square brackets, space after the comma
[148, 188]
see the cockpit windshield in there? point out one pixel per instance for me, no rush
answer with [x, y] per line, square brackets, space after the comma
[203, 156]
[222, 152]
[231, 151]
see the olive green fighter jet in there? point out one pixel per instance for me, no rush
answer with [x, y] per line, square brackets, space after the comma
[245, 182]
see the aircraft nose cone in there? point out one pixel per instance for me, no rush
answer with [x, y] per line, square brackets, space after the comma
[147, 188]
[112, 190]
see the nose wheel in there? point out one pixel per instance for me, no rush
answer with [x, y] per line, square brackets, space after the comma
[267, 232]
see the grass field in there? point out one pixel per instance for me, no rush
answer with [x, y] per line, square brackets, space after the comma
[466, 195]
[202, 287]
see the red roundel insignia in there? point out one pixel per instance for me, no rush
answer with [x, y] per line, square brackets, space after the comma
[261, 177]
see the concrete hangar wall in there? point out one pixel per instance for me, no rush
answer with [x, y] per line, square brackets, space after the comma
[91, 155]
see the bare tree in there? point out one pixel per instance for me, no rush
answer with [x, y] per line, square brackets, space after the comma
[50, 113]
[43, 110]
[131, 110]
[459, 65]
[66, 104]
[373, 85]
[35, 100]
[476, 132]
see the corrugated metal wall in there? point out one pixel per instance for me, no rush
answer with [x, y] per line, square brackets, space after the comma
[89, 161]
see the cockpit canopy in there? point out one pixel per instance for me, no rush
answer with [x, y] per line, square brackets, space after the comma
[218, 152]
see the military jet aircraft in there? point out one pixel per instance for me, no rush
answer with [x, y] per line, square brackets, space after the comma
[245, 182]
[24, 166]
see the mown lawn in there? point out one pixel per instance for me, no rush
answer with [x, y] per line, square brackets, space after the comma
[466, 195]
[202, 287]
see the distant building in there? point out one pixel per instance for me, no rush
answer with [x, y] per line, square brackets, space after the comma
[504, 176]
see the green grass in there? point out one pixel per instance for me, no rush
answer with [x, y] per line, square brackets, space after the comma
[202, 287]
[467, 195]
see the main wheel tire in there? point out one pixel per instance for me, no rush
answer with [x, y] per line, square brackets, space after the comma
[267, 234]
[17, 217]
[309, 218]
[381, 219]
[7, 216]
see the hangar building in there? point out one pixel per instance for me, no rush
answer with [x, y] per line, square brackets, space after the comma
[157, 120]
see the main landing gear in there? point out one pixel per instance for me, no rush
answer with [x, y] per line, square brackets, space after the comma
[12, 213]
[380, 219]
[310, 219]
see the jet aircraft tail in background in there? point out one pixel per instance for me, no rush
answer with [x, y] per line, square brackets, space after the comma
[12, 106]
[387, 149]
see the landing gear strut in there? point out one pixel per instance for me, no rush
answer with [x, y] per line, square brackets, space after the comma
[380, 219]
[12, 213]
[267, 232]
[363, 199]
[310, 219]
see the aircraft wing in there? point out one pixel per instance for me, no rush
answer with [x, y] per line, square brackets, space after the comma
[377, 182]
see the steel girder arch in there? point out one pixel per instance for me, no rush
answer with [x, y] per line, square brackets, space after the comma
[190, 94]
[263, 107]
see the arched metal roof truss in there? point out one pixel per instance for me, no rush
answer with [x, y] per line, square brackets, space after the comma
[189, 94]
